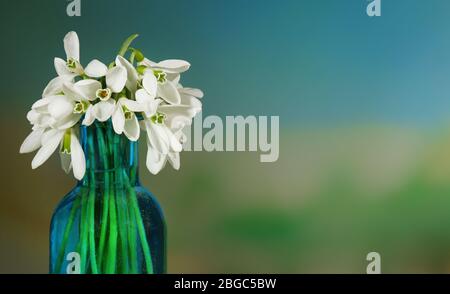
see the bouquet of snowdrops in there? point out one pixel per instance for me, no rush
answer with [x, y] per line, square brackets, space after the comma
[134, 94]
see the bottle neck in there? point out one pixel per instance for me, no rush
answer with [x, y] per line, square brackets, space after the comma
[110, 158]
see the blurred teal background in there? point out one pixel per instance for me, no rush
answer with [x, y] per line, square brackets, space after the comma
[364, 106]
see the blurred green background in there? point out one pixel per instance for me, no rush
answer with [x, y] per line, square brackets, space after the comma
[364, 106]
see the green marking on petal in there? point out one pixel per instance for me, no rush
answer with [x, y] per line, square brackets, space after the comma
[161, 76]
[103, 94]
[158, 118]
[127, 113]
[71, 63]
[65, 146]
[81, 107]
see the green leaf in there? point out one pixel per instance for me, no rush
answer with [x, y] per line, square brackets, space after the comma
[127, 44]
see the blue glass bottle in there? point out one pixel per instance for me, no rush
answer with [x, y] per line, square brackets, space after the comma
[108, 223]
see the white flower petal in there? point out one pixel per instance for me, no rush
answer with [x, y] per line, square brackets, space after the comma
[174, 159]
[155, 161]
[169, 93]
[177, 123]
[72, 46]
[192, 92]
[131, 128]
[172, 111]
[118, 120]
[61, 67]
[47, 135]
[174, 78]
[89, 116]
[132, 105]
[157, 137]
[66, 162]
[150, 83]
[149, 103]
[96, 69]
[175, 145]
[33, 116]
[173, 65]
[104, 109]
[43, 121]
[116, 78]
[132, 75]
[147, 62]
[191, 101]
[53, 87]
[61, 107]
[88, 88]
[41, 105]
[143, 97]
[73, 92]
[67, 122]
[32, 142]
[47, 149]
[77, 155]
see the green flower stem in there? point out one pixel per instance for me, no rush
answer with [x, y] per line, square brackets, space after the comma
[112, 242]
[84, 232]
[91, 207]
[119, 200]
[123, 233]
[68, 228]
[140, 227]
[104, 150]
[132, 236]
[132, 219]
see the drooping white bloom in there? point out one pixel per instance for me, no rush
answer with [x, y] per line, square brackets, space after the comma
[163, 128]
[162, 78]
[72, 155]
[67, 109]
[156, 160]
[124, 119]
[116, 79]
[48, 142]
[132, 74]
[67, 69]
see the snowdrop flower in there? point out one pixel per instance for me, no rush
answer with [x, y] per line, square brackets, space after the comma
[67, 69]
[116, 79]
[124, 119]
[47, 142]
[164, 133]
[156, 160]
[163, 122]
[72, 155]
[159, 135]
[162, 78]
[38, 116]
[150, 92]
[132, 74]
[160, 142]
[68, 108]
[148, 102]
